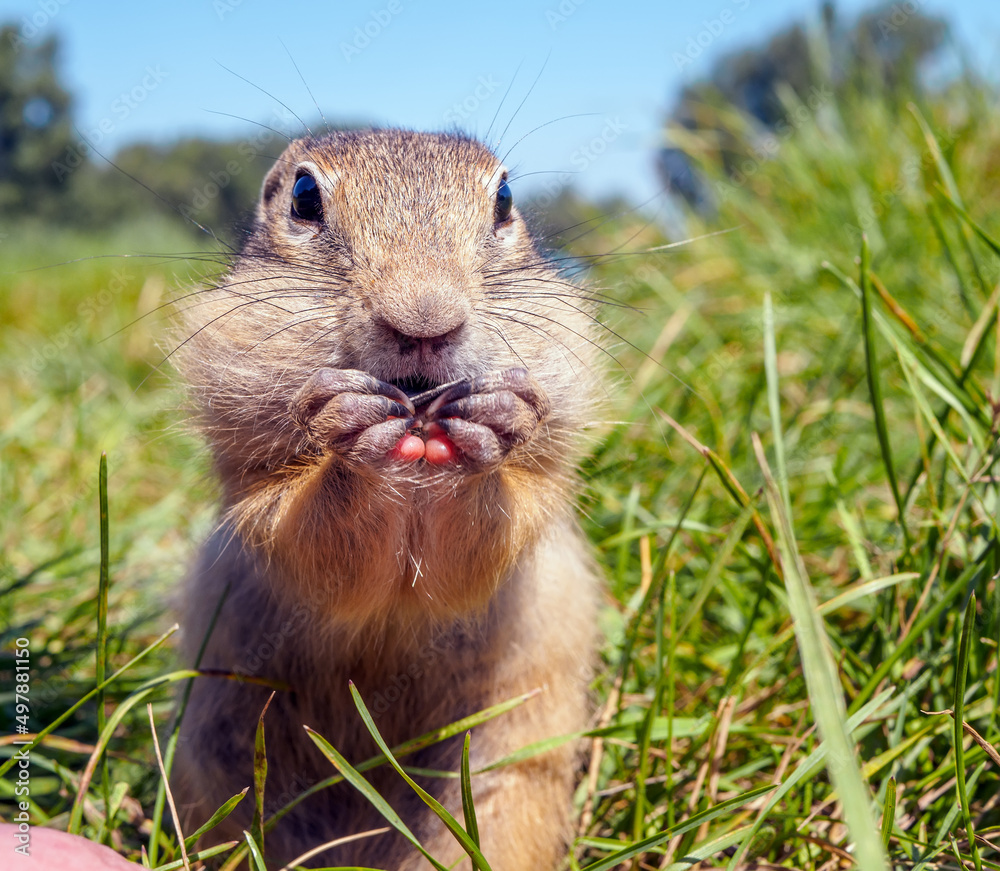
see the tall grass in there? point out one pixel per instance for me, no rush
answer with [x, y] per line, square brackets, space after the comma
[796, 512]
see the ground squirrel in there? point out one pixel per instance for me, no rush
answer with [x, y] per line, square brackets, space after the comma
[393, 381]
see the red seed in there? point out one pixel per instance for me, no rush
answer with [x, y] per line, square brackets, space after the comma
[440, 450]
[409, 449]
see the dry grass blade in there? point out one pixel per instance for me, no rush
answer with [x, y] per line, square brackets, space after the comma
[170, 796]
[336, 842]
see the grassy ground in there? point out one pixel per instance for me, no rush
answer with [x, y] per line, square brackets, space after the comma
[796, 509]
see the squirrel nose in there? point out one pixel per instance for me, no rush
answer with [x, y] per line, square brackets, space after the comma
[430, 319]
[408, 342]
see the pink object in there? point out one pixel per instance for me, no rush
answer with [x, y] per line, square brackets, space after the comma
[440, 450]
[52, 850]
[409, 449]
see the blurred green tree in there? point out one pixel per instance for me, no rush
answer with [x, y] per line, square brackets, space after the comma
[884, 51]
[35, 126]
[50, 174]
[209, 186]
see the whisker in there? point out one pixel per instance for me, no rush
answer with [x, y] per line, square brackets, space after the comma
[267, 94]
[521, 105]
[503, 100]
[251, 121]
[305, 84]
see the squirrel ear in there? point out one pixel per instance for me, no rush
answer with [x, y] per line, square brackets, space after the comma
[272, 181]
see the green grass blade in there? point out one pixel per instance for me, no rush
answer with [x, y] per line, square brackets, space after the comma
[200, 856]
[928, 363]
[774, 399]
[224, 811]
[888, 812]
[875, 386]
[143, 692]
[102, 621]
[690, 823]
[912, 375]
[949, 189]
[956, 204]
[945, 829]
[944, 171]
[750, 621]
[159, 805]
[805, 769]
[439, 809]
[353, 777]
[854, 534]
[646, 731]
[117, 797]
[961, 671]
[930, 617]
[628, 522]
[668, 767]
[952, 400]
[708, 849]
[257, 860]
[58, 721]
[929, 358]
[529, 751]
[468, 806]
[625, 659]
[428, 739]
[259, 778]
[942, 236]
[823, 685]
[722, 557]
[726, 478]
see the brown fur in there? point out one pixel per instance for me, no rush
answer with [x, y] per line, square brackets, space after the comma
[439, 590]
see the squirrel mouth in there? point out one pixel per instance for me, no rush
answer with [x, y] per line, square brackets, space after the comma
[414, 384]
[421, 390]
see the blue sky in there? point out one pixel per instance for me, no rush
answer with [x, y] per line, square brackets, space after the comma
[158, 71]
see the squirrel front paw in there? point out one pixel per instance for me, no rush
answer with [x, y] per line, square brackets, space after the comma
[487, 416]
[475, 422]
[353, 413]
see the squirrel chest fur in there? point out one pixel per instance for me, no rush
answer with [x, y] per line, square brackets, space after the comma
[393, 381]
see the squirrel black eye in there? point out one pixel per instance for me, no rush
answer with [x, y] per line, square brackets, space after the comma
[505, 202]
[307, 203]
